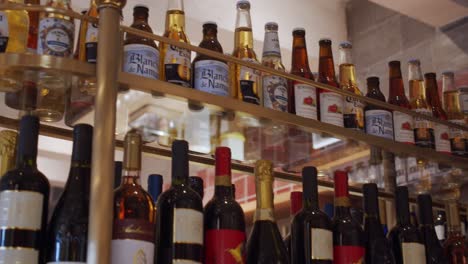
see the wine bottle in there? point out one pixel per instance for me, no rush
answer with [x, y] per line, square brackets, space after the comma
[176, 240]
[454, 246]
[118, 166]
[378, 249]
[296, 206]
[224, 218]
[196, 183]
[407, 243]
[440, 225]
[155, 182]
[311, 229]
[68, 229]
[265, 245]
[134, 215]
[24, 198]
[348, 237]
[434, 251]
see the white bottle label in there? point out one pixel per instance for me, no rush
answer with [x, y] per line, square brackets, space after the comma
[4, 31]
[400, 168]
[249, 80]
[142, 60]
[271, 45]
[177, 66]
[412, 169]
[440, 232]
[305, 99]
[403, 127]
[91, 42]
[413, 253]
[442, 139]
[322, 244]
[56, 37]
[188, 233]
[125, 251]
[21, 210]
[275, 93]
[331, 108]
[379, 123]
[420, 122]
[19, 256]
[211, 76]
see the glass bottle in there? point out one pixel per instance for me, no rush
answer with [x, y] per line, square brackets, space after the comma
[452, 107]
[196, 183]
[155, 183]
[33, 27]
[245, 81]
[440, 225]
[118, 166]
[88, 36]
[175, 62]
[134, 211]
[379, 121]
[296, 206]
[330, 104]
[353, 109]
[8, 140]
[14, 26]
[275, 88]
[454, 246]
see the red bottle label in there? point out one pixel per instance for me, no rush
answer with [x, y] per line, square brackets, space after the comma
[348, 255]
[224, 247]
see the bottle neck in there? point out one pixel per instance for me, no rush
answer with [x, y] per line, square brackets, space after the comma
[347, 76]
[342, 206]
[416, 82]
[452, 104]
[24, 160]
[243, 34]
[326, 65]
[397, 90]
[264, 211]
[310, 203]
[271, 46]
[453, 218]
[448, 82]
[210, 34]
[140, 18]
[79, 177]
[223, 192]
[175, 16]
[300, 60]
[433, 94]
[403, 215]
[130, 177]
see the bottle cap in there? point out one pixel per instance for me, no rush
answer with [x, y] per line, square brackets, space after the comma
[223, 161]
[325, 41]
[210, 23]
[263, 170]
[370, 192]
[28, 136]
[196, 183]
[243, 4]
[346, 45]
[297, 29]
[373, 81]
[341, 184]
[155, 182]
[296, 202]
[425, 209]
[141, 6]
[180, 159]
[430, 75]
[309, 182]
[271, 26]
[414, 61]
[132, 150]
[82, 142]
[394, 63]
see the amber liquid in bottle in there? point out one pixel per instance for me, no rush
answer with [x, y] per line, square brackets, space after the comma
[458, 137]
[454, 246]
[88, 36]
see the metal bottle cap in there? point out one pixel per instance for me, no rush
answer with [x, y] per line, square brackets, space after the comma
[132, 153]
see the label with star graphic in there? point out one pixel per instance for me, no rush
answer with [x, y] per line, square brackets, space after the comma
[224, 246]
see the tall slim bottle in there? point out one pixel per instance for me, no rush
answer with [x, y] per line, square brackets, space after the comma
[14, 25]
[8, 139]
[265, 245]
[441, 132]
[458, 140]
[353, 109]
[88, 36]
[177, 241]
[224, 219]
[175, 62]
[134, 211]
[24, 198]
[245, 81]
[155, 183]
[275, 88]
[296, 205]
[311, 229]
[379, 121]
[67, 235]
[454, 246]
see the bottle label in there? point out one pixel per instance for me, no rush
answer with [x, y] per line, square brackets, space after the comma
[91, 43]
[420, 122]
[379, 123]
[132, 241]
[464, 102]
[271, 46]
[177, 66]
[142, 60]
[442, 140]
[423, 129]
[353, 113]
[66, 262]
[322, 244]
[224, 246]
[249, 80]
[56, 37]
[4, 34]
[305, 98]
[184, 233]
[211, 76]
[440, 232]
[348, 254]
[19, 256]
[457, 138]
[413, 253]
[331, 108]
[403, 126]
[275, 93]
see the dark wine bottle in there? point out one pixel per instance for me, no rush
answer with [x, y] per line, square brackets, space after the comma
[179, 225]
[434, 251]
[440, 225]
[155, 182]
[24, 197]
[311, 229]
[68, 229]
[196, 183]
[224, 218]
[265, 245]
[348, 237]
[296, 206]
[117, 174]
[378, 249]
[407, 243]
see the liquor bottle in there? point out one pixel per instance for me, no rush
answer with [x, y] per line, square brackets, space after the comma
[67, 235]
[311, 229]
[224, 219]
[88, 36]
[302, 97]
[33, 27]
[454, 246]
[275, 88]
[8, 141]
[379, 121]
[296, 206]
[441, 132]
[209, 74]
[353, 109]
[245, 81]
[348, 236]
[176, 240]
[196, 183]
[134, 211]
[118, 167]
[434, 251]
[141, 55]
[423, 129]
[155, 182]
[407, 243]
[83, 12]
[24, 198]
[378, 249]
[458, 142]
[265, 244]
[403, 124]
[14, 25]
[175, 62]
[440, 226]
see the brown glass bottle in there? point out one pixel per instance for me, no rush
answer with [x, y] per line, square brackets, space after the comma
[330, 104]
[379, 121]
[33, 27]
[454, 246]
[88, 36]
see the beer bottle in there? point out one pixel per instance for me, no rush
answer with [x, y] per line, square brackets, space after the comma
[402, 123]
[275, 88]
[14, 26]
[352, 107]
[302, 97]
[175, 62]
[330, 104]
[379, 121]
[441, 132]
[245, 81]
[423, 129]
[141, 55]
[87, 45]
[84, 11]
[33, 27]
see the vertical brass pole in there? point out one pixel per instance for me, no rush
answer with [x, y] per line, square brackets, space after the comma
[101, 202]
